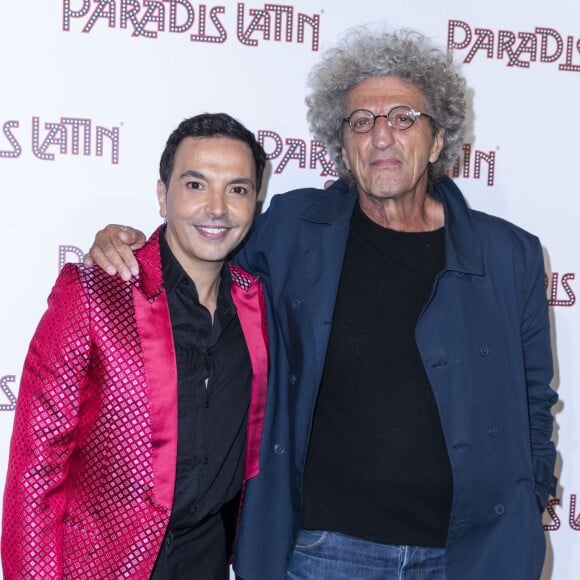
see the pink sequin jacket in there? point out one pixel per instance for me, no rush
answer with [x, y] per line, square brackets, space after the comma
[92, 459]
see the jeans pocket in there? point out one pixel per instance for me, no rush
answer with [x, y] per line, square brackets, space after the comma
[308, 539]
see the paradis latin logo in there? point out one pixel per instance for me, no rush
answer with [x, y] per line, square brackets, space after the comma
[555, 522]
[8, 401]
[210, 24]
[517, 49]
[66, 136]
[560, 291]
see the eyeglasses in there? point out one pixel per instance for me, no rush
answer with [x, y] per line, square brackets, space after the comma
[401, 117]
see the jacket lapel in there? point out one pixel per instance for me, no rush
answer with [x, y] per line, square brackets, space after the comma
[323, 245]
[157, 351]
[463, 252]
[248, 296]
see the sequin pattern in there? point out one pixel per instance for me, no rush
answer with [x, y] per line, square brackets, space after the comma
[89, 484]
[78, 499]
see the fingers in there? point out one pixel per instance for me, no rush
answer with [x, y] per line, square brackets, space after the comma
[88, 260]
[130, 236]
[112, 250]
[112, 267]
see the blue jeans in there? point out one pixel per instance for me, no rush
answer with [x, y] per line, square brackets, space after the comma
[331, 556]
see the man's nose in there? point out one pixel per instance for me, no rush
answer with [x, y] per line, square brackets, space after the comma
[216, 204]
[382, 133]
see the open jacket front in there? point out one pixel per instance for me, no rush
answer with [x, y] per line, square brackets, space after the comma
[484, 340]
[92, 460]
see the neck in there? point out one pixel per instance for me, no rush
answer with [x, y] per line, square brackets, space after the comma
[419, 213]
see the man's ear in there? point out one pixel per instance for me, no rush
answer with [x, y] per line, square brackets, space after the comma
[162, 198]
[437, 146]
[344, 159]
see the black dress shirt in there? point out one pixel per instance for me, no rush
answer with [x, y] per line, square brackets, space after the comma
[214, 382]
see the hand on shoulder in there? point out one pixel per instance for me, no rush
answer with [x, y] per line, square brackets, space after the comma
[113, 250]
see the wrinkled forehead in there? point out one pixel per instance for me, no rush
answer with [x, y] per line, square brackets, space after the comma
[381, 93]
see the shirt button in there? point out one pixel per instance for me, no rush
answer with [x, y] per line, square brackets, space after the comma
[484, 350]
[492, 431]
[293, 379]
[499, 509]
[296, 303]
[278, 449]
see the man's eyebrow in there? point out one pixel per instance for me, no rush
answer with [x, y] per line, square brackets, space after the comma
[245, 180]
[198, 175]
[192, 173]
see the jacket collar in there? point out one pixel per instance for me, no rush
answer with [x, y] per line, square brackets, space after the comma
[463, 251]
[150, 279]
[332, 205]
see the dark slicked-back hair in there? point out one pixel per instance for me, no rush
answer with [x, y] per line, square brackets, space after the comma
[211, 125]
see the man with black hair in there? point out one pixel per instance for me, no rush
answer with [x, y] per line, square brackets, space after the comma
[141, 403]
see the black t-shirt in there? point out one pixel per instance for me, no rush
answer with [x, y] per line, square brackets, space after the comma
[377, 465]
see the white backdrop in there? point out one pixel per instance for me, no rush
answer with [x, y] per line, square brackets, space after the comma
[90, 90]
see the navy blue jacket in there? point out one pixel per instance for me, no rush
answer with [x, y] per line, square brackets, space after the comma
[484, 339]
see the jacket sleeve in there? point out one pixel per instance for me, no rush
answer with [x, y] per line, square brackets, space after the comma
[539, 372]
[43, 438]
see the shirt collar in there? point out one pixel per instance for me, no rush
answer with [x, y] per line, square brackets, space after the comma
[173, 272]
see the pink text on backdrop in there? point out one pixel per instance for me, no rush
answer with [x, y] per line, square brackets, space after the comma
[557, 283]
[297, 150]
[8, 402]
[521, 49]
[555, 522]
[67, 136]
[148, 18]
[469, 164]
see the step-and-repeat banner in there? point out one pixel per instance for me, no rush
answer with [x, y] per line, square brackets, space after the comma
[90, 90]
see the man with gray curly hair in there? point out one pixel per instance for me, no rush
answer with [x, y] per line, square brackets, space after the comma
[408, 422]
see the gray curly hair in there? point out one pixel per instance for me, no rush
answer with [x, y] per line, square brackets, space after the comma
[407, 54]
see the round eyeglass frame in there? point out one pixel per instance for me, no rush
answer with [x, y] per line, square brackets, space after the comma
[414, 115]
